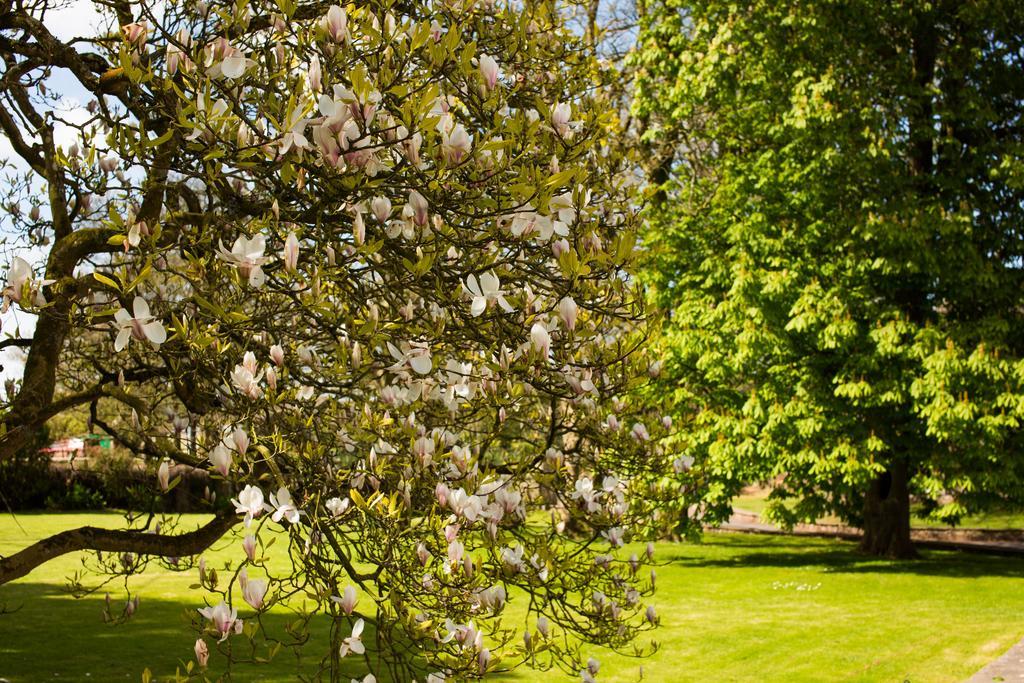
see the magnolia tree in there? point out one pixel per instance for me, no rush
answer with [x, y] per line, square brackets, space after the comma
[368, 267]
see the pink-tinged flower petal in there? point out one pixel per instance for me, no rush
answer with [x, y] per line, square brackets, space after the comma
[234, 66]
[155, 332]
[257, 277]
[421, 364]
[140, 308]
[122, 339]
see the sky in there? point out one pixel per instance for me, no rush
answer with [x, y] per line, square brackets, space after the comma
[78, 18]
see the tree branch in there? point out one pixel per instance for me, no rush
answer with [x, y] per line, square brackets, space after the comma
[115, 541]
[15, 341]
[26, 151]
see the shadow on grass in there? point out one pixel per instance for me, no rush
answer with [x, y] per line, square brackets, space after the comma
[52, 636]
[49, 635]
[839, 557]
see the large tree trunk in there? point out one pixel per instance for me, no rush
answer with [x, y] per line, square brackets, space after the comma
[887, 514]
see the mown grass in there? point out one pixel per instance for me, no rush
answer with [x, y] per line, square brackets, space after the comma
[733, 608]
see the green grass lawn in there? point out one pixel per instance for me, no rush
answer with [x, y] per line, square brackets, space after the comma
[734, 608]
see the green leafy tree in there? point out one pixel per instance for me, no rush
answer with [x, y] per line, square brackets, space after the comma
[836, 241]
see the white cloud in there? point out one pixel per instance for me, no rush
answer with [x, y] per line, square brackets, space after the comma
[79, 19]
[71, 112]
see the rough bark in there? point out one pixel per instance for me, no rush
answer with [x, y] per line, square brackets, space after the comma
[887, 514]
[114, 541]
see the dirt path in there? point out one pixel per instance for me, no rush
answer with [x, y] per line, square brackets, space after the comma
[972, 540]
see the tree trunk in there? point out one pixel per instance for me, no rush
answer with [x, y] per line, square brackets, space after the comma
[887, 514]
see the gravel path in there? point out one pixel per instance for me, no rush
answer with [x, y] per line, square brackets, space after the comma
[976, 540]
[1009, 667]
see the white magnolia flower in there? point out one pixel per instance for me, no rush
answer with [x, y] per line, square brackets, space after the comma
[202, 652]
[465, 505]
[136, 33]
[338, 108]
[240, 439]
[250, 502]
[563, 205]
[224, 618]
[414, 354]
[277, 355]
[335, 24]
[456, 551]
[492, 598]
[381, 208]
[513, 557]
[489, 70]
[284, 507]
[419, 206]
[455, 144]
[221, 459]
[163, 476]
[509, 499]
[235, 65]
[135, 234]
[485, 291]
[584, 492]
[353, 643]
[337, 506]
[138, 324]
[295, 134]
[567, 312]
[315, 74]
[18, 273]
[247, 255]
[347, 601]
[254, 591]
[639, 432]
[175, 57]
[245, 377]
[560, 115]
[249, 546]
[581, 383]
[211, 116]
[541, 339]
[614, 536]
[290, 255]
[682, 464]
[411, 145]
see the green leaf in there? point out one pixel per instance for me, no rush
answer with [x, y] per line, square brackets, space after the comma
[106, 281]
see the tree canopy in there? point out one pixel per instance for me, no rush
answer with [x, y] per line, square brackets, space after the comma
[836, 236]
